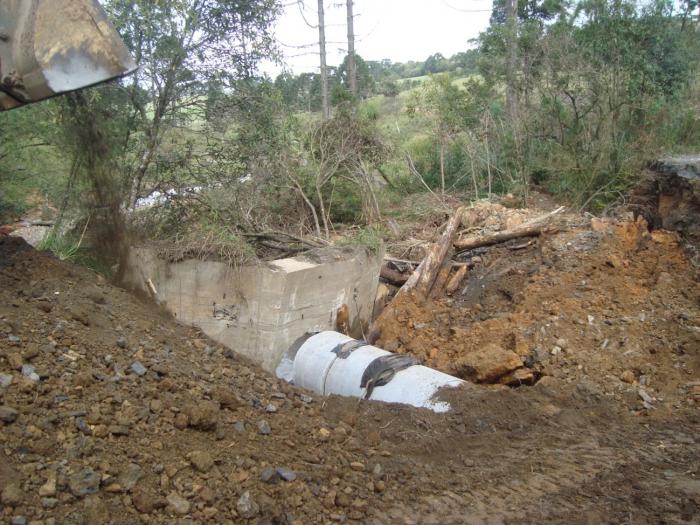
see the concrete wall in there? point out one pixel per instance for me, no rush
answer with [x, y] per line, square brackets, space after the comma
[261, 311]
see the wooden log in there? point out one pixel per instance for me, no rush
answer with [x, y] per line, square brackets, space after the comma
[456, 280]
[464, 245]
[393, 276]
[533, 228]
[424, 277]
[441, 279]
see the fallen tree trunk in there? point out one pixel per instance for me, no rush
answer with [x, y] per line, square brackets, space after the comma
[441, 279]
[533, 228]
[464, 245]
[423, 278]
[393, 276]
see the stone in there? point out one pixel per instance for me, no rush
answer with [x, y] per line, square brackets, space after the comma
[271, 408]
[11, 495]
[201, 460]
[146, 502]
[628, 377]
[246, 506]
[286, 474]
[226, 398]
[203, 415]
[31, 352]
[48, 489]
[644, 396]
[239, 427]
[82, 426]
[121, 342]
[8, 414]
[130, 476]
[521, 376]
[84, 482]
[28, 371]
[357, 465]
[95, 510]
[138, 368]
[15, 361]
[488, 363]
[5, 380]
[19, 520]
[269, 475]
[264, 428]
[178, 504]
[49, 503]
[118, 430]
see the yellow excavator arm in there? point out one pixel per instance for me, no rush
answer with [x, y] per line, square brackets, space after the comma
[51, 47]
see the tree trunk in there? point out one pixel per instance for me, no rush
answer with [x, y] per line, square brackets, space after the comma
[511, 60]
[325, 106]
[424, 277]
[322, 207]
[442, 166]
[352, 64]
[393, 276]
[464, 245]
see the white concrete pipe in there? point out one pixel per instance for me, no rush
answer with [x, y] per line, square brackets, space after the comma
[318, 368]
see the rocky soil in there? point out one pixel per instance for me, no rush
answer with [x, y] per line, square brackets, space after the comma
[111, 412]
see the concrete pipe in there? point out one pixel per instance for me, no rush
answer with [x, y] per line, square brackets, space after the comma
[332, 363]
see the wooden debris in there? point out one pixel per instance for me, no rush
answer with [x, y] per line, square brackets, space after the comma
[393, 276]
[456, 280]
[424, 277]
[464, 245]
[441, 279]
[533, 228]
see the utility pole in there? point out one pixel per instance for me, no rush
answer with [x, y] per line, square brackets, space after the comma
[325, 106]
[352, 64]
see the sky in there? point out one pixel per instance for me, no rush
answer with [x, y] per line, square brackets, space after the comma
[400, 30]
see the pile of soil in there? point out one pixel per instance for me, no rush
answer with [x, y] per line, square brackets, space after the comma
[608, 302]
[111, 412]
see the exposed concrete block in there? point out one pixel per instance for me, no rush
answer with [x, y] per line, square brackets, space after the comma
[261, 311]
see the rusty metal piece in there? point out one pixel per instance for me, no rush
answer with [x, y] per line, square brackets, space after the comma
[50, 47]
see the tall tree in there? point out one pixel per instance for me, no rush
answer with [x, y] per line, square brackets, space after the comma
[512, 60]
[352, 66]
[325, 103]
[180, 45]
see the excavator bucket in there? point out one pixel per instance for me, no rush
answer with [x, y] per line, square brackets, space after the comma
[50, 47]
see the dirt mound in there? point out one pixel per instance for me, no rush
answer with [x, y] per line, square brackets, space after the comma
[110, 412]
[668, 197]
[611, 300]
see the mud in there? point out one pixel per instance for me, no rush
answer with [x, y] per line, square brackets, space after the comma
[197, 435]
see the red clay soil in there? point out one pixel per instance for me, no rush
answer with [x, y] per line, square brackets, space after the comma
[133, 418]
[609, 304]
